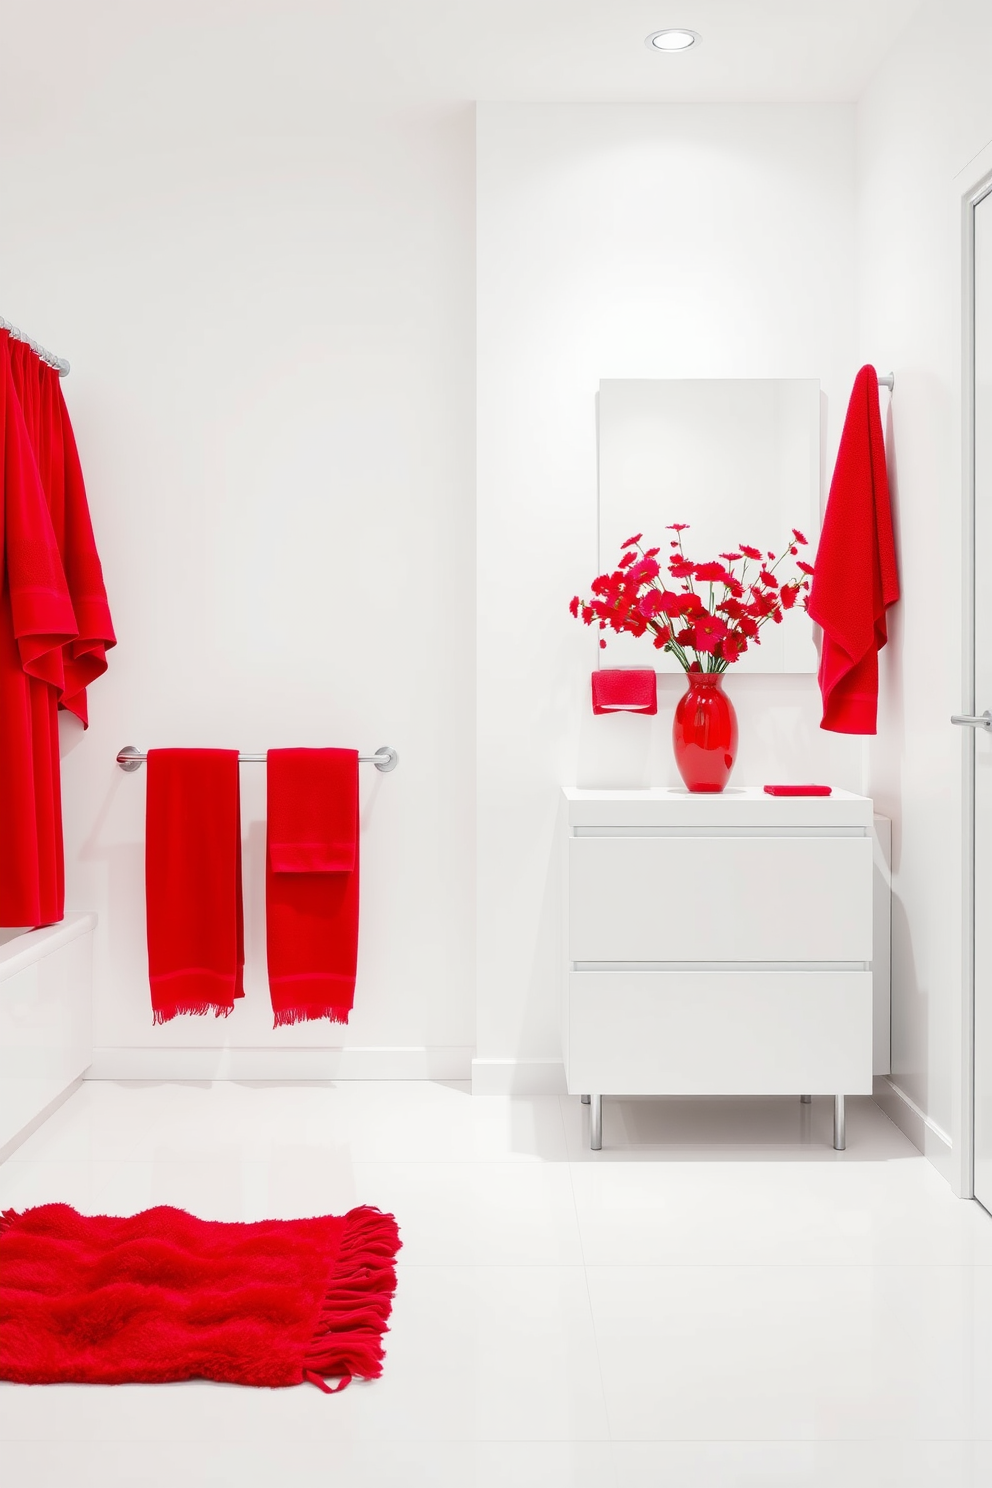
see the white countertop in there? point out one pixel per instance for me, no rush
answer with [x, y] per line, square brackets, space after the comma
[739, 805]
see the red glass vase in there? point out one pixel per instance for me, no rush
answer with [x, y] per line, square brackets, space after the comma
[705, 733]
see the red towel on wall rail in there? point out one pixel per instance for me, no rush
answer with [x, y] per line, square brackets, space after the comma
[625, 690]
[855, 578]
[85, 658]
[193, 882]
[54, 627]
[311, 883]
[36, 622]
[46, 419]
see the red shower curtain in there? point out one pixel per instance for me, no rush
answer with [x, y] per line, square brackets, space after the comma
[55, 627]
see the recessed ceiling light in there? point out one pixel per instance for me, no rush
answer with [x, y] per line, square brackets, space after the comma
[675, 39]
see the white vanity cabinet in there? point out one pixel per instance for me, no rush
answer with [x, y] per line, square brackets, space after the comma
[717, 945]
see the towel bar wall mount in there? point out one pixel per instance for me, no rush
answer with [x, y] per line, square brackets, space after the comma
[385, 758]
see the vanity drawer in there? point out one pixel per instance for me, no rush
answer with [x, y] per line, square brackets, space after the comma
[727, 898]
[718, 1032]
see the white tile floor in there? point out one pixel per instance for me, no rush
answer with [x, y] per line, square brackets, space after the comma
[716, 1299]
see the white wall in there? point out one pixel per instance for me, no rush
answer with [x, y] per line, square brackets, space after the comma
[925, 116]
[267, 299]
[623, 241]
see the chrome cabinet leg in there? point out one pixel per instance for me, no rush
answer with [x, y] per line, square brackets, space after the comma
[584, 1099]
[806, 1099]
[596, 1123]
[840, 1124]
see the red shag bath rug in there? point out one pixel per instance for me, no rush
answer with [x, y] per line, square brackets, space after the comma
[165, 1296]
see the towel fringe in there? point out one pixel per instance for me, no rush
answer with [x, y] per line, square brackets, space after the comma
[286, 1017]
[347, 1335]
[190, 1010]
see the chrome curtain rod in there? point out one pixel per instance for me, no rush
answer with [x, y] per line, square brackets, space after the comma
[384, 759]
[59, 363]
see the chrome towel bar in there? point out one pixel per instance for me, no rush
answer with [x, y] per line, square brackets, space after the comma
[384, 759]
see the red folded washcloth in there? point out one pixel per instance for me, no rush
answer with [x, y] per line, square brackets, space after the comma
[193, 882]
[855, 578]
[311, 883]
[798, 790]
[625, 690]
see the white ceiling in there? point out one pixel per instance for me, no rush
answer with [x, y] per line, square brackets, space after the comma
[575, 50]
[514, 50]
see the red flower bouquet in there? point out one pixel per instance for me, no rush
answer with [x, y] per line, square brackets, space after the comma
[706, 615]
[712, 612]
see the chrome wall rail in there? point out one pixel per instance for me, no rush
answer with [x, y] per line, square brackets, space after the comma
[59, 363]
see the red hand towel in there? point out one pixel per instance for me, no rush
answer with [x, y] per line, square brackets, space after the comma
[311, 883]
[195, 916]
[855, 577]
[624, 691]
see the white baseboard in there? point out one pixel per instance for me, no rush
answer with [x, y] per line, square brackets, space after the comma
[925, 1134]
[417, 1063]
[518, 1077]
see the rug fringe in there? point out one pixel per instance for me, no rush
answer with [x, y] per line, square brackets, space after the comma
[347, 1336]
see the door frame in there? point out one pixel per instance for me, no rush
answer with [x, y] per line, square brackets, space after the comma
[976, 190]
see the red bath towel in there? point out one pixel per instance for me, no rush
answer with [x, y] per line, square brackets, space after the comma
[855, 577]
[311, 883]
[50, 432]
[193, 882]
[165, 1296]
[36, 621]
[53, 616]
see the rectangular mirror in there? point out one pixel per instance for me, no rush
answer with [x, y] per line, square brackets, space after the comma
[738, 459]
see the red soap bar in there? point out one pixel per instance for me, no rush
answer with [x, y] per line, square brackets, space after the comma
[797, 790]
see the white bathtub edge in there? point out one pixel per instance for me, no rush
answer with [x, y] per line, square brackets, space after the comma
[24, 950]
